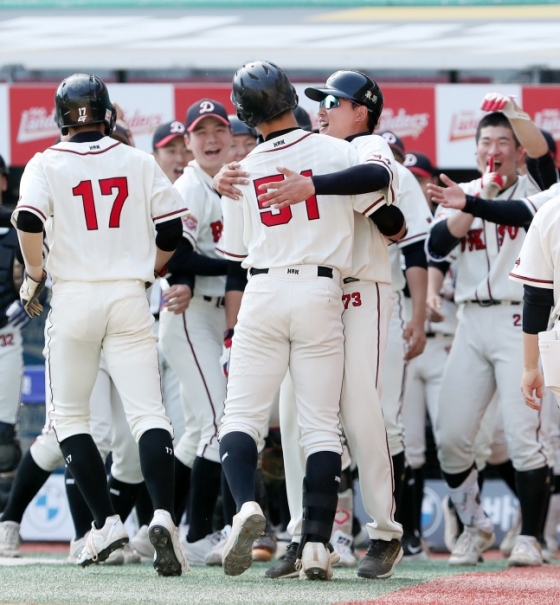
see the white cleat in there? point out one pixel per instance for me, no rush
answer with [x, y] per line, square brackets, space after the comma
[342, 544]
[169, 558]
[248, 525]
[142, 545]
[100, 543]
[197, 552]
[508, 541]
[315, 562]
[214, 557]
[526, 552]
[10, 540]
[470, 546]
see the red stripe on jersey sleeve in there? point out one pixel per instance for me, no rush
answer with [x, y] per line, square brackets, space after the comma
[376, 203]
[33, 210]
[530, 279]
[169, 214]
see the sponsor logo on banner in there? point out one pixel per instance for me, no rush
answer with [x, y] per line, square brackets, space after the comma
[404, 124]
[463, 125]
[432, 514]
[37, 123]
[143, 123]
[541, 103]
[549, 119]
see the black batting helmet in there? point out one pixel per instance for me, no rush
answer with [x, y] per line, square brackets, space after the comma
[83, 99]
[352, 85]
[261, 91]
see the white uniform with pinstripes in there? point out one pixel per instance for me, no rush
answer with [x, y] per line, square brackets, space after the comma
[192, 341]
[418, 217]
[487, 353]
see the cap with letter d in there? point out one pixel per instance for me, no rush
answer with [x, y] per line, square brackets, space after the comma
[205, 108]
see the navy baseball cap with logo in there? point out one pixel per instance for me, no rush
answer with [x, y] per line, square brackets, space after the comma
[419, 164]
[165, 133]
[3, 167]
[395, 142]
[205, 108]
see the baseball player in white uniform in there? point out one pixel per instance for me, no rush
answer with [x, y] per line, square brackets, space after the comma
[290, 314]
[103, 251]
[367, 297]
[486, 353]
[191, 339]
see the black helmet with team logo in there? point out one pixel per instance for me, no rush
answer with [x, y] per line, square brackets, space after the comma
[352, 85]
[261, 91]
[83, 99]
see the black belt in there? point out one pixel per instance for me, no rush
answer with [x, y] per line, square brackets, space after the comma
[219, 300]
[434, 334]
[491, 302]
[321, 271]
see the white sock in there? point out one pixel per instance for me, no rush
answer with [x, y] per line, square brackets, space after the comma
[466, 499]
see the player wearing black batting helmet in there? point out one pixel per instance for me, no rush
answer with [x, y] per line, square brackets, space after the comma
[83, 99]
[261, 91]
[354, 86]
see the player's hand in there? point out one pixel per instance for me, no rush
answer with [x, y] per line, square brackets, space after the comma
[532, 387]
[415, 339]
[29, 294]
[496, 101]
[226, 350]
[451, 196]
[492, 182]
[433, 308]
[229, 176]
[17, 315]
[177, 299]
[293, 189]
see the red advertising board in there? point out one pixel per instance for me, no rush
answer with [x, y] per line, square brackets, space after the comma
[409, 112]
[542, 103]
[186, 95]
[32, 125]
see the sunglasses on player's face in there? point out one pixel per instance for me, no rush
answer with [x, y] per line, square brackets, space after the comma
[330, 101]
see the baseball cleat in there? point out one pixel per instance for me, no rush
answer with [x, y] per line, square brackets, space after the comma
[100, 543]
[342, 544]
[142, 545]
[169, 558]
[265, 547]
[315, 562]
[380, 560]
[248, 525]
[10, 540]
[214, 557]
[526, 552]
[470, 546]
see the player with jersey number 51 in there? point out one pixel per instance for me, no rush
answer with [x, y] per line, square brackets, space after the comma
[112, 218]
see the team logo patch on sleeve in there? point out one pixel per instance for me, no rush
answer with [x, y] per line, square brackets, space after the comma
[190, 222]
[517, 262]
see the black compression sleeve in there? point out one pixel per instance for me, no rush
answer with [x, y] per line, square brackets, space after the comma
[415, 255]
[389, 220]
[185, 279]
[441, 241]
[536, 308]
[443, 266]
[236, 277]
[186, 260]
[352, 181]
[543, 170]
[168, 234]
[513, 213]
[29, 222]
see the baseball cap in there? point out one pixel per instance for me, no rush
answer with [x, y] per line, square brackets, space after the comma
[419, 164]
[3, 167]
[165, 133]
[238, 127]
[203, 109]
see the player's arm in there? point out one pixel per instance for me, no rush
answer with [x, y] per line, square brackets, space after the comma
[168, 236]
[537, 304]
[390, 221]
[187, 261]
[436, 275]
[236, 281]
[295, 188]
[417, 278]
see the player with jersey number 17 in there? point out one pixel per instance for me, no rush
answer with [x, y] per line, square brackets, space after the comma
[112, 218]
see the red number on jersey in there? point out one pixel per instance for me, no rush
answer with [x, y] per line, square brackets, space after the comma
[516, 320]
[284, 215]
[85, 191]
[217, 228]
[6, 340]
[354, 297]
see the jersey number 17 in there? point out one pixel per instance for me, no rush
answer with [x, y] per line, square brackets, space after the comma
[85, 190]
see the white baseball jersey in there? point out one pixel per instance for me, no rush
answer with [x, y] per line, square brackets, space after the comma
[487, 253]
[370, 254]
[108, 230]
[414, 206]
[317, 232]
[202, 226]
[538, 262]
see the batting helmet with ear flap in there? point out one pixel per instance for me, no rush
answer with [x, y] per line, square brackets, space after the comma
[352, 85]
[261, 91]
[83, 99]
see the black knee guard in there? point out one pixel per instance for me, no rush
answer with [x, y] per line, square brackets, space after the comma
[318, 509]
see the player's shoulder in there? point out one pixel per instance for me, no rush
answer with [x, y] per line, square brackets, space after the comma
[190, 181]
[548, 214]
[326, 140]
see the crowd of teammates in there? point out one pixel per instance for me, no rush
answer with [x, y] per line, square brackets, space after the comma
[429, 323]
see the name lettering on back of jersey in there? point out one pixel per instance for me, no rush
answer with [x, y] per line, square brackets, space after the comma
[292, 271]
[279, 143]
[94, 147]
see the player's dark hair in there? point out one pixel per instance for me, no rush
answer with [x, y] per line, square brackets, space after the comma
[372, 121]
[495, 119]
